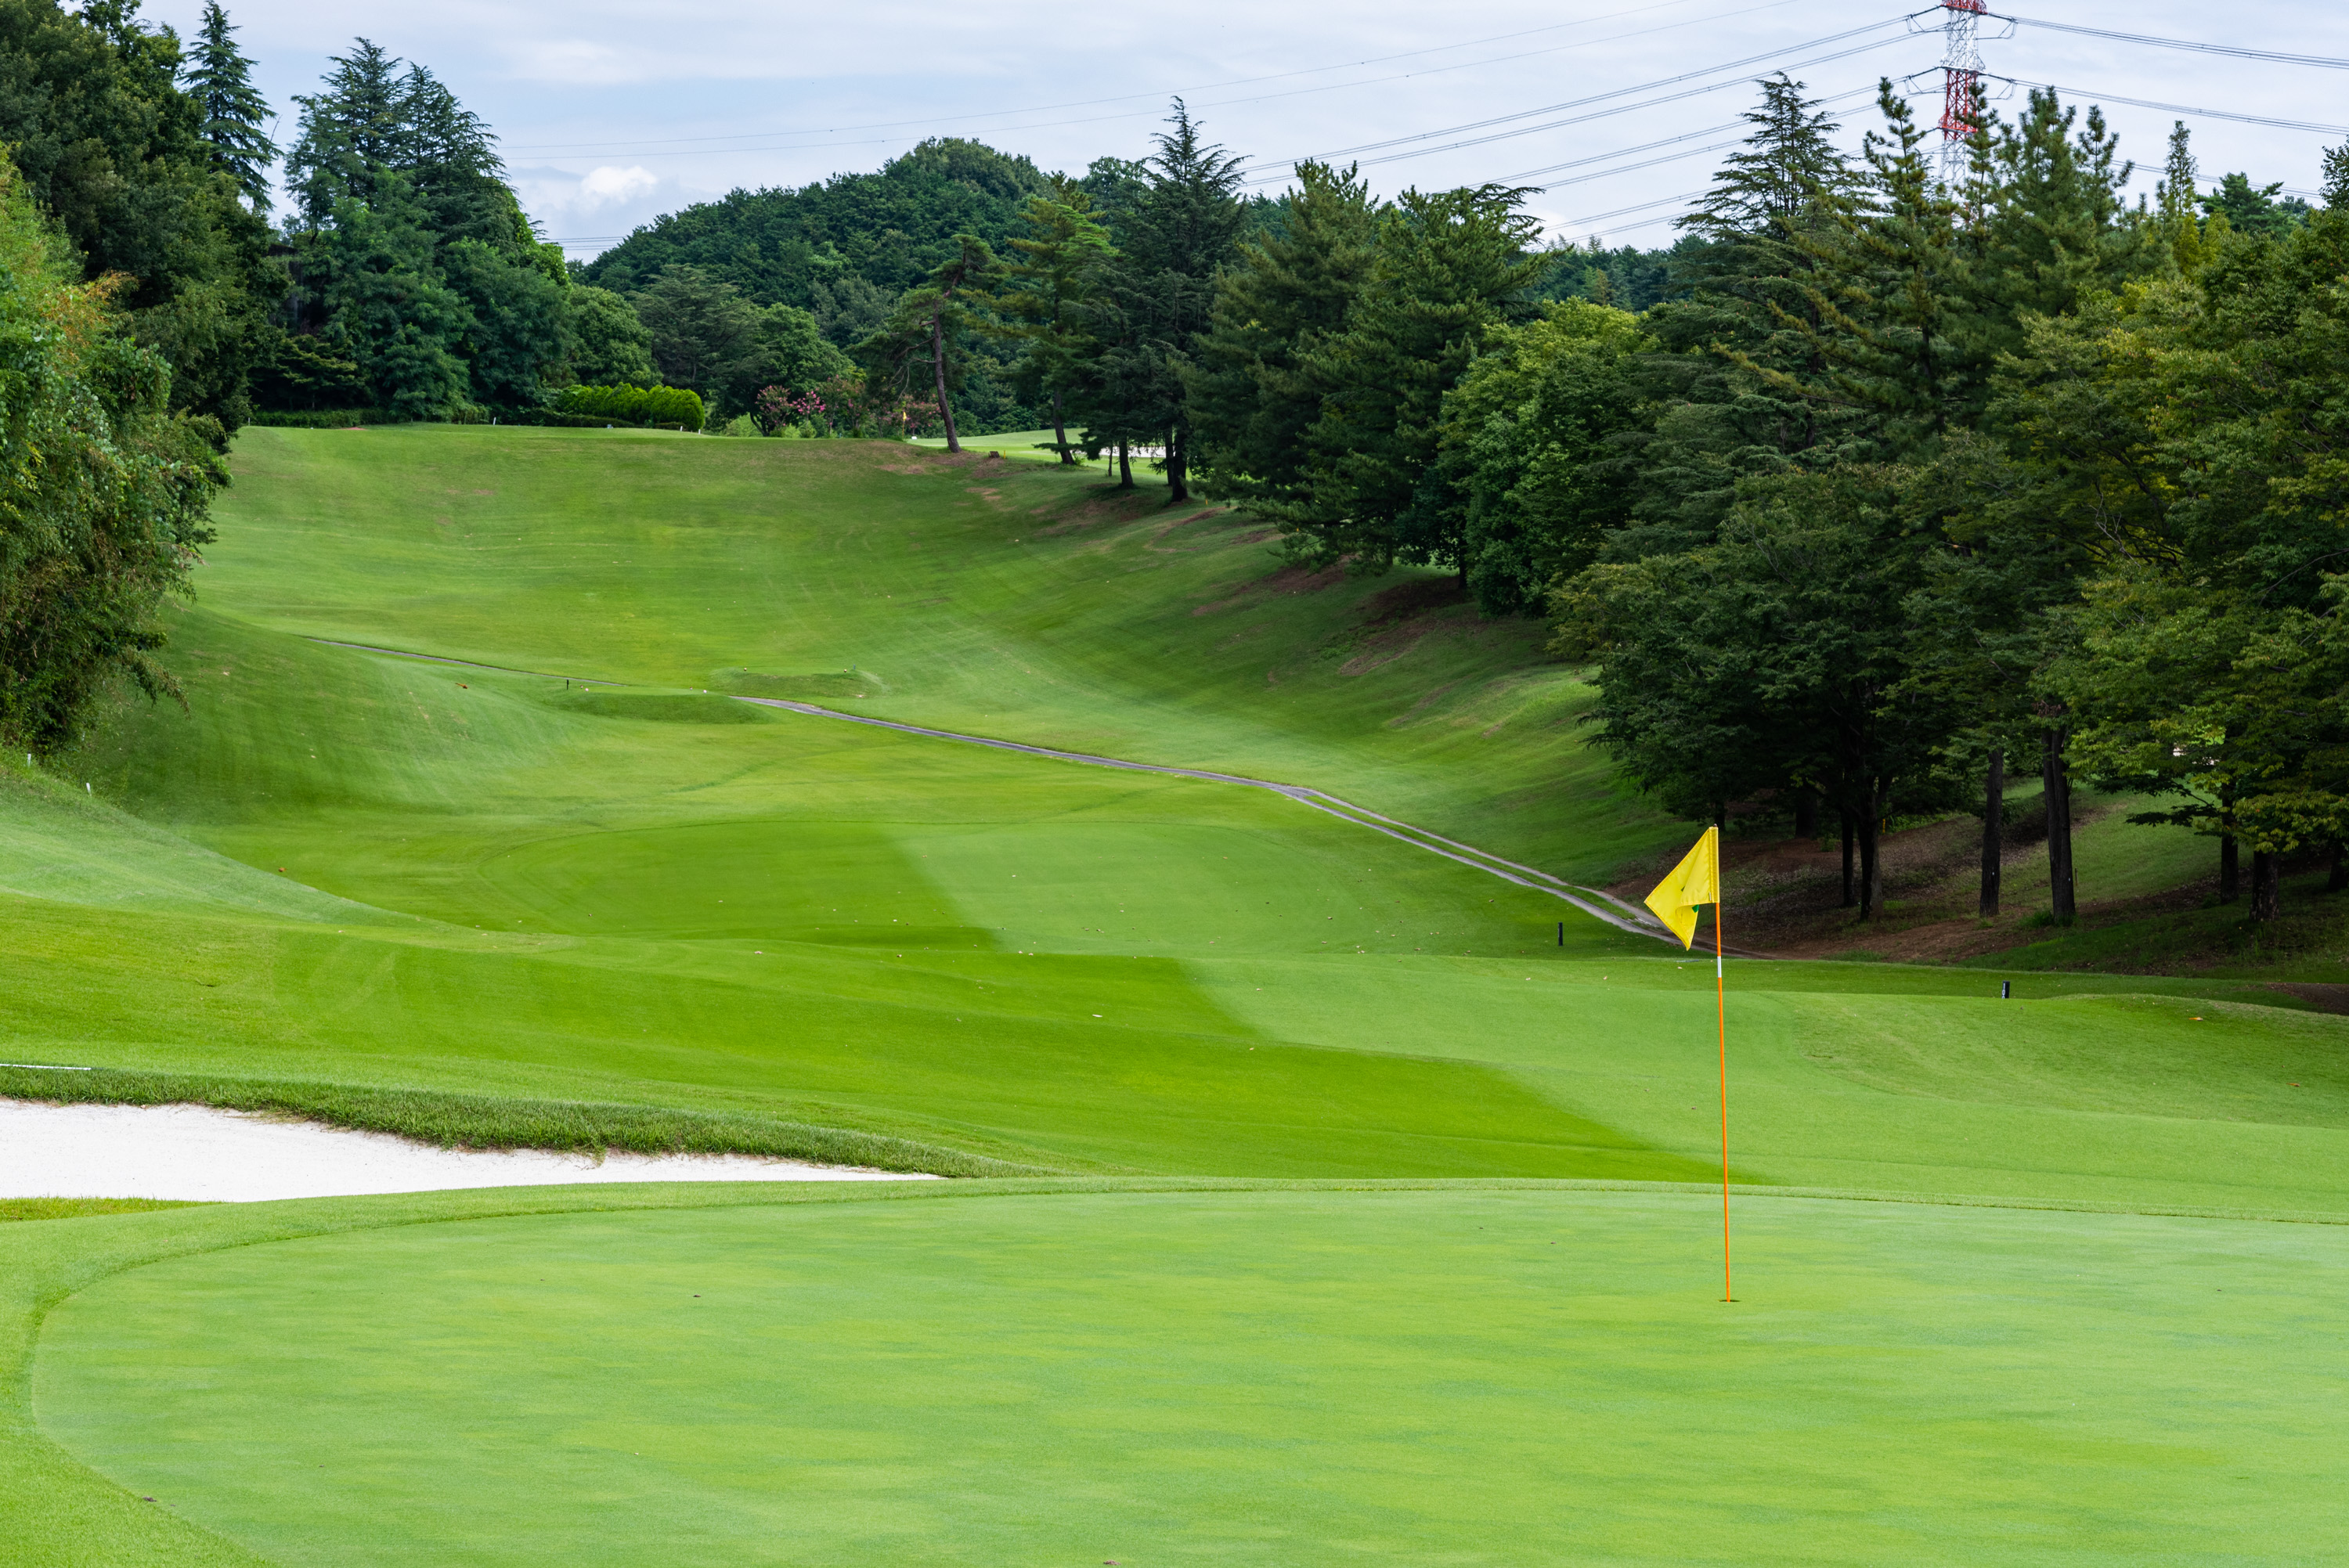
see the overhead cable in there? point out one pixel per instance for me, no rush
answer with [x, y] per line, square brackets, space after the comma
[1215, 86]
[595, 149]
[1602, 98]
[2179, 107]
[2328, 62]
[1828, 103]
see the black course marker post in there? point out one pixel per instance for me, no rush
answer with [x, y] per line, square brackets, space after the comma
[1561, 933]
[2006, 990]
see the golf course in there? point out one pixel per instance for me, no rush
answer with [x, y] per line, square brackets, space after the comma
[1322, 1188]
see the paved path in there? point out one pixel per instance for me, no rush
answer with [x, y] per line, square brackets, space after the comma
[1590, 901]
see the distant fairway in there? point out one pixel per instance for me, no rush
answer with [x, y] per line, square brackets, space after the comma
[1459, 1375]
[349, 869]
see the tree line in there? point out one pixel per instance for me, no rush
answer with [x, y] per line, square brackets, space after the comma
[1894, 489]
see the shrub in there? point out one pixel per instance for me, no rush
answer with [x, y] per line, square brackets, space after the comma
[675, 406]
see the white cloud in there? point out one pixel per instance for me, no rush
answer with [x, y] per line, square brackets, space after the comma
[588, 213]
[607, 185]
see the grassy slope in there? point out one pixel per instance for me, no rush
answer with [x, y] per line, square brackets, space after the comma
[495, 886]
[1025, 600]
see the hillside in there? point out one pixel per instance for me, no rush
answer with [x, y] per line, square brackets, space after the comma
[843, 248]
[665, 897]
[1306, 1170]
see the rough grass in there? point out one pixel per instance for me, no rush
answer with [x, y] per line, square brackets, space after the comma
[76, 1207]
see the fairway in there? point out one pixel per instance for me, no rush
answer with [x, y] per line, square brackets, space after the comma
[2088, 1313]
[1458, 1375]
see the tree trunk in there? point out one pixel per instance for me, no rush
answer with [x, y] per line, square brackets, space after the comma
[1125, 466]
[1806, 813]
[2231, 857]
[1848, 900]
[938, 370]
[2057, 780]
[1177, 490]
[1871, 866]
[1061, 435]
[1994, 829]
[2266, 901]
[2337, 879]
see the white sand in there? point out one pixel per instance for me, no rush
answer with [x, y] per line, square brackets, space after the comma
[192, 1152]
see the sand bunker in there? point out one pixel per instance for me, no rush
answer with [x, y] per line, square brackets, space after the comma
[194, 1153]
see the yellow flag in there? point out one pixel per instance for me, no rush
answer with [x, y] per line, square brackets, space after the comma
[1695, 881]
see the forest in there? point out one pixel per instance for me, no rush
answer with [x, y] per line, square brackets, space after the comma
[1874, 490]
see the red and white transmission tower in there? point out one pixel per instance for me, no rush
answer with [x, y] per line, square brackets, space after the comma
[1960, 78]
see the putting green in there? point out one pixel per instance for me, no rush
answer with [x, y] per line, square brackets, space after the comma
[1453, 1375]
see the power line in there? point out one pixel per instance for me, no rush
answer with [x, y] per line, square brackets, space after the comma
[1830, 104]
[1637, 207]
[1561, 124]
[1602, 98]
[618, 150]
[2180, 109]
[1211, 87]
[2327, 62]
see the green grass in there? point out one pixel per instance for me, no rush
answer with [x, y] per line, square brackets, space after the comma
[1463, 1375]
[474, 905]
[1035, 603]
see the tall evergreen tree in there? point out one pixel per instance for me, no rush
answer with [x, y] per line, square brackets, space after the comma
[1292, 288]
[1156, 300]
[2337, 177]
[931, 329]
[1451, 267]
[220, 78]
[413, 258]
[1051, 282]
[108, 141]
[348, 132]
[1747, 312]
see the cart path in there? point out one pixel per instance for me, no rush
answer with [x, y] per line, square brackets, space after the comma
[1592, 901]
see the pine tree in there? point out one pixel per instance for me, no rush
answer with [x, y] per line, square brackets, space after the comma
[220, 78]
[2337, 177]
[1887, 321]
[347, 134]
[1747, 309]
[1781, 176]
[1052, 281]
[1293, 287]
[1156, 301]
[1451, 266]
[931, 325]
[2174, 194]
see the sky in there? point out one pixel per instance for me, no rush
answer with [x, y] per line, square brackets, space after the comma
[610, 114]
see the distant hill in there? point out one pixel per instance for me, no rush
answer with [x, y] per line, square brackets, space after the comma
[842, 249]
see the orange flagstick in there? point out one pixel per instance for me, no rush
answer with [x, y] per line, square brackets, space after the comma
[1721, 1009]
[1678, 902]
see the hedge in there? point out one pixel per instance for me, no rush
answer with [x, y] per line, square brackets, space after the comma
[327, 419]
[625, 404]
